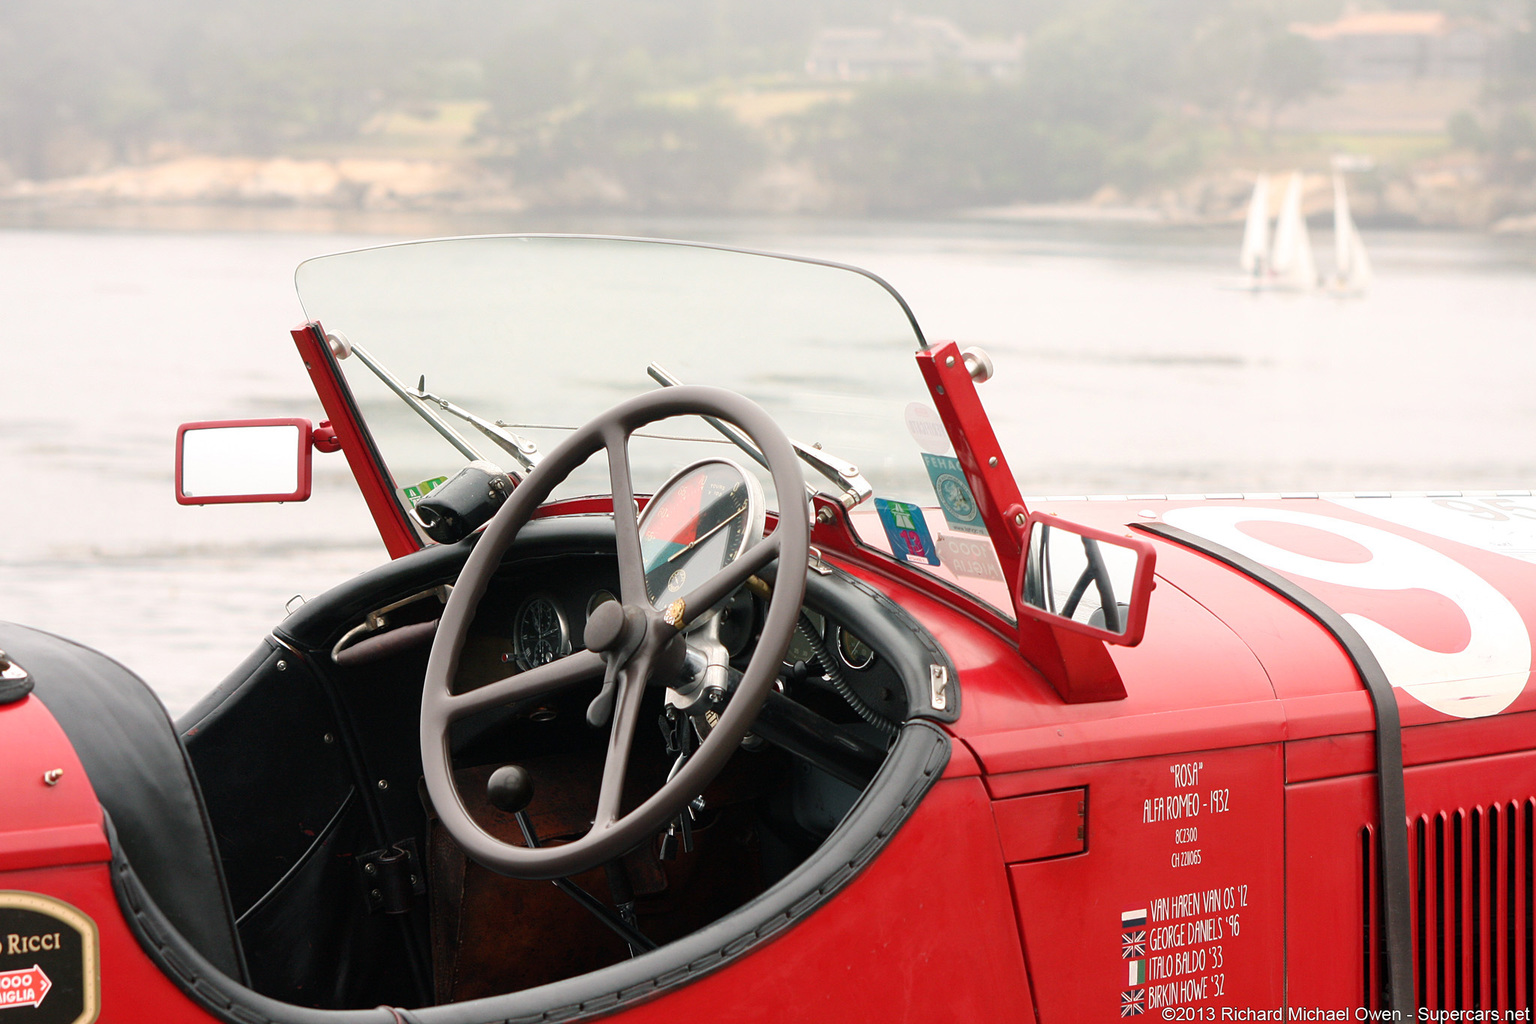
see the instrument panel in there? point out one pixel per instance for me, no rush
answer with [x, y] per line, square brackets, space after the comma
[537, 611]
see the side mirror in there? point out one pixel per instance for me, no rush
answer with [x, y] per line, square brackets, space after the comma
[1086, 580]
[225, 461]
[1078, 589]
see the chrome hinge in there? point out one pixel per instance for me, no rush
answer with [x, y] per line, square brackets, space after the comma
[15, 683]
[938, 686]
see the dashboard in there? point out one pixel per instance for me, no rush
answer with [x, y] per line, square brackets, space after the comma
[536, 611]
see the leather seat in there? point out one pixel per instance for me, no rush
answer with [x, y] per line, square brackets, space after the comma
[142, 776]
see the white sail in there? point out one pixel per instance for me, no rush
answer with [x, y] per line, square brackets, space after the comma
[1255, 253]
[1292, 259]
[1353, 267]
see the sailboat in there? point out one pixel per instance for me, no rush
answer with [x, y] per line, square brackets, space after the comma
[1291, 264]
[1352, 268]
[1255, 253]
[1287, 265]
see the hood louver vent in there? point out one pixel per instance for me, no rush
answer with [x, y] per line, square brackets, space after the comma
[1473, 902]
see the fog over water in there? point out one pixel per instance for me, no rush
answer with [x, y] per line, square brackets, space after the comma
[1122, 367]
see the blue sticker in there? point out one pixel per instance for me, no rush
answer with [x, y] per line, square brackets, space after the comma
[960, 509]
[907, 531]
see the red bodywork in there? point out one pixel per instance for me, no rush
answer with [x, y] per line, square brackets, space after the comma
[1205, 841]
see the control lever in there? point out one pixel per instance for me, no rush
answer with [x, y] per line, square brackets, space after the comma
[675, 727]
[615, 632]
[510, 789]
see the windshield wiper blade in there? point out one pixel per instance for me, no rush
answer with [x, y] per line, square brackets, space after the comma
[840, 471]
[516, 445]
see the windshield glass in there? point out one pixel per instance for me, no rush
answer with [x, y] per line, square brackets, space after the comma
[540, 333]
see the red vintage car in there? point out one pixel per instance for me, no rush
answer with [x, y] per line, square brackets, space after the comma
[666, 716]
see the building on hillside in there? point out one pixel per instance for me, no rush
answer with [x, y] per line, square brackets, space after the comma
[911, 47]
[1401, 46]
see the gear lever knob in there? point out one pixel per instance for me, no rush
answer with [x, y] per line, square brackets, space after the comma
[510, 788]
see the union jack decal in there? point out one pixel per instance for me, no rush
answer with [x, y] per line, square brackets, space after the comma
[1133, 945]
[1133, 1002]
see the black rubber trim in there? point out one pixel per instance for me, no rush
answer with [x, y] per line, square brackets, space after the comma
[914, 764]
[1392, 832]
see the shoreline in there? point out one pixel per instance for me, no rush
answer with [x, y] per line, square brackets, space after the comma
[379, 195]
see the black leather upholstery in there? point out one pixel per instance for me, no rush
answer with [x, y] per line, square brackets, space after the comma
[141, 774]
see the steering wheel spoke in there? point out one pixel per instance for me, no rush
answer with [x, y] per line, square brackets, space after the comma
[626, 524]
[621, 738]
[723, 583]
[555, 675]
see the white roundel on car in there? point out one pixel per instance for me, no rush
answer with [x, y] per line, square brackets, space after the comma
[1482, 678]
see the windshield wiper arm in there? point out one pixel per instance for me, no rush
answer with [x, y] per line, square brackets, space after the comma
[841, 472]
[450, 435]
[516, 445]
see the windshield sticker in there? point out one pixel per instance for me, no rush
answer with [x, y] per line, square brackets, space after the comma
[421, 490]
[960, 509]
[927, 429]
[969, 556]
[907, 531]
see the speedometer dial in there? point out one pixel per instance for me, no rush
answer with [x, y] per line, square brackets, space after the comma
[539, 633]
[699, 522]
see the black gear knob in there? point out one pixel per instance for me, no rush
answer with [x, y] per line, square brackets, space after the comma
[510, 788]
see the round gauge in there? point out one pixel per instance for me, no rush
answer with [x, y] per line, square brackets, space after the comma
[854, 652]
[539, 633]
[601, 597]
[698, 523]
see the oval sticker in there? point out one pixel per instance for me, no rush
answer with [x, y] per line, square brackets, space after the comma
[50, 961]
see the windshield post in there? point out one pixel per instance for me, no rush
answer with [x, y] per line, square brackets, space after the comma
[986, 469]
[363, 458]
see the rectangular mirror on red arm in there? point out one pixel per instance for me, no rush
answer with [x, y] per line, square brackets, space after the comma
[1087, 580]
[1078, 589]
[225, 461]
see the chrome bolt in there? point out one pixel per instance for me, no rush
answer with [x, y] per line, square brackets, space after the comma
[52, 776]
[1018, 519]
[370, 869]
[282, 666]
[383, 783]
[992, 461]
[950, 361]
[330, 737]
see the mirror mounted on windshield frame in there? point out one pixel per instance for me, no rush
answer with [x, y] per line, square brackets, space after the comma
[238, 461]
[1080, 588]
[1087, 580]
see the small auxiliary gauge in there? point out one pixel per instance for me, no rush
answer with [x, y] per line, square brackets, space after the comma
[855, 653]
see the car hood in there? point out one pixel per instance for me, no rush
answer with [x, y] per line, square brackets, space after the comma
[1441, 589]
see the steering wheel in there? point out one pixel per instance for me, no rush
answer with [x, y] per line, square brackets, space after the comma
[621, 649]
[1097, 573]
